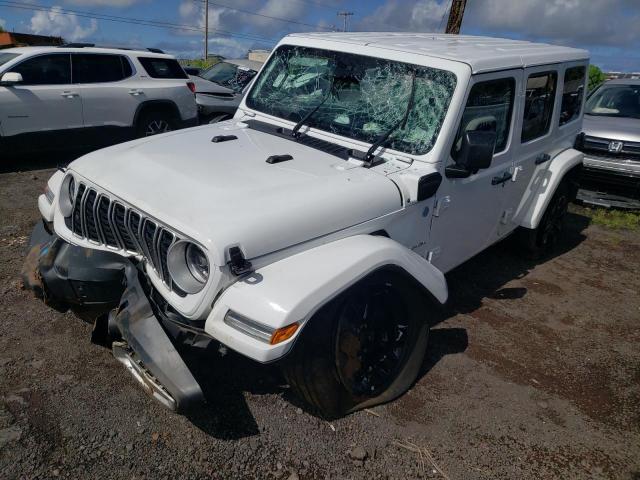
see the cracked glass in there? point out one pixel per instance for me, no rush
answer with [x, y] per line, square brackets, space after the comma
[357, 96]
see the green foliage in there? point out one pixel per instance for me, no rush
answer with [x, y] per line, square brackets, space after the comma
[200, 63]
[1, 29]
[596, 77]
[615, 219]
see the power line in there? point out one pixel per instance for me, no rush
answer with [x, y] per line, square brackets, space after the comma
[248, 12]
[346, 16]
[131, 20]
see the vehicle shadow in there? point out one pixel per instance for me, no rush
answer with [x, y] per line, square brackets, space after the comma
[485, 275]
[226, 380]
[26, 162]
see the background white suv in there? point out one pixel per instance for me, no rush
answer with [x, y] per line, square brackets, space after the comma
[48, 95]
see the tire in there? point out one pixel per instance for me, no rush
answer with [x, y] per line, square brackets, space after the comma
[542, 240]
[364, 348]
[154, 122]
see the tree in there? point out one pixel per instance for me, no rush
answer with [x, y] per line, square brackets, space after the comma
[596, 77]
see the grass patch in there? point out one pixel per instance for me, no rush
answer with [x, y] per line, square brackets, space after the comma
[615, 219]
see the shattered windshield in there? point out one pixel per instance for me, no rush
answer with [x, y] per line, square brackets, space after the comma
[362, 97]
[229, 75]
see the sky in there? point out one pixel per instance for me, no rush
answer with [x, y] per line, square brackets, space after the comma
[609, 29]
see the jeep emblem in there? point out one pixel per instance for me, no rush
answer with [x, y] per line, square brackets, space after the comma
[615, 146]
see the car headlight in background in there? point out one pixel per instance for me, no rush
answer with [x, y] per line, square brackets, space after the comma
[188, 266]
[67, 195]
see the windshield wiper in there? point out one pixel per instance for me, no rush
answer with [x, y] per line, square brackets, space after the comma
[384, 138]
[303, 120]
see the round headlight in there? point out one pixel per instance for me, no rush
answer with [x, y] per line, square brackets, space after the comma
[67, 195]
[197, 263]
[188, 266]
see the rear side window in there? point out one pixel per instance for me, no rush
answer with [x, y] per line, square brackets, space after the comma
[6, 57]
[488, 108]
[99, 68]
[572, 94]
[538, 106]
[45, 70]
[162, 67]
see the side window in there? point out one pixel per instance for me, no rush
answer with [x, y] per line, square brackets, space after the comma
[572, 93]
[538, 105]
[488, 108]
[162, 67]
[45, 70]
[99, 68]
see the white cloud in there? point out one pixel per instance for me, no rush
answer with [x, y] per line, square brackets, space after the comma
[3, 22]
[105, 3]
[67, 26]
[587, 22]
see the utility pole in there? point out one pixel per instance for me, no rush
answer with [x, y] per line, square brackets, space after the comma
[455, 16]
[206, 30]
[345, 15]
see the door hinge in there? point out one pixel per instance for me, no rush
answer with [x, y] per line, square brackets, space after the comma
[441, 205]
[433, 254]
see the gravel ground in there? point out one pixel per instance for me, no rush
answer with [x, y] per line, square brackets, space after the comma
[534, 373]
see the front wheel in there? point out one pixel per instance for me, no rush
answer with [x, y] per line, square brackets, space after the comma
[363, 348]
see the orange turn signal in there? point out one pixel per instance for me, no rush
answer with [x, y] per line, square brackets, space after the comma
[284, 333]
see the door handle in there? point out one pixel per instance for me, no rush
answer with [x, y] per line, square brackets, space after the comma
[505, 177]
[69, 94]
[135, 92]
[543, 157]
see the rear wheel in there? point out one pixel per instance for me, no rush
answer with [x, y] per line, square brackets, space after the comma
[365, 347]
[154, 122]
[543, 239]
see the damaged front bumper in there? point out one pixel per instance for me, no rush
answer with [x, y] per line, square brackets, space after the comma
[111, 288]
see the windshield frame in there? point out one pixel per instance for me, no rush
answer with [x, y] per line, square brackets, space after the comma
[460, 71]
[598, 92]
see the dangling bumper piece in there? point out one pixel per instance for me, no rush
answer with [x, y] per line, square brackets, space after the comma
[108, 285]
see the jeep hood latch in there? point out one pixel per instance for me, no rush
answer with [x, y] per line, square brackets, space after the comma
[237, 263]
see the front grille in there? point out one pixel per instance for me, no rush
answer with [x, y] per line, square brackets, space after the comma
[599, 147]
[99, 219]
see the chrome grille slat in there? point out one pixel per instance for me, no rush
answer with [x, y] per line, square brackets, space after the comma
[83, 227]
[99, 219]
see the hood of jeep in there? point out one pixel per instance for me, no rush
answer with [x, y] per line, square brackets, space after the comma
[225, 194]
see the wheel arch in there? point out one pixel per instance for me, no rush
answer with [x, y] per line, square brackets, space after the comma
[565, 166]
[295, 288]
[168, 106]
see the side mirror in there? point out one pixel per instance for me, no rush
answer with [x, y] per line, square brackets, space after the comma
[11, 78]
[475, 153]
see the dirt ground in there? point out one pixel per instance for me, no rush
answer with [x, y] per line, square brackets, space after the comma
[533, 373]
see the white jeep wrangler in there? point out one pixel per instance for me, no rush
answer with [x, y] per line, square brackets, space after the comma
[315, 228]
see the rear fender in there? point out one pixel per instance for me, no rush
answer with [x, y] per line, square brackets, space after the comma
[293, 289]
[546, 183]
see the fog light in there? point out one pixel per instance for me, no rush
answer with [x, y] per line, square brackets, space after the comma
[249, 327]
[259, 331]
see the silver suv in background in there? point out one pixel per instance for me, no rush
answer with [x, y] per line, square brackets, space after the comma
[611, 144]
[220, 88]
[77, 95]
